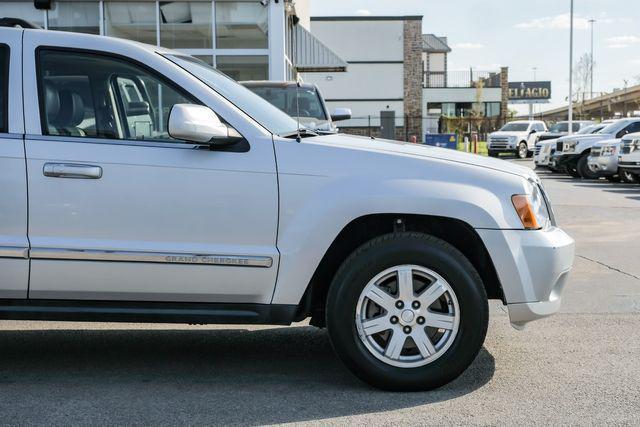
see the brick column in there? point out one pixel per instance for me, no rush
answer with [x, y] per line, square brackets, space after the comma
[504, 86]
[413, 77]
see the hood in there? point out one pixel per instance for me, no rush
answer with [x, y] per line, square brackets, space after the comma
[399, 148]
[543, 136]
[506, 133]
[590, 137]
[607, 142]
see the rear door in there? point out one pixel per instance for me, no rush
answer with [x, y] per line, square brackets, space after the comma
[14, 246]
[119, 210]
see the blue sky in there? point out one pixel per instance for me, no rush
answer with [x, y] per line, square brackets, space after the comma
[522, 34]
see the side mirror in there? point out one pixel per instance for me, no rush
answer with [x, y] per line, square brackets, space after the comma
[532, 131]
[200, 125]
[341, 114]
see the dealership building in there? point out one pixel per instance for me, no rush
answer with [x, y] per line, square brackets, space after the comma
[246, 39]
[398, 83]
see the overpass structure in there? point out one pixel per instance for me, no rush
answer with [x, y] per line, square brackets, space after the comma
[619, 103]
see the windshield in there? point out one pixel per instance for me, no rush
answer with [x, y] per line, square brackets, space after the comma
[312, 113]
[274, 120]
[589, 129]
[515, 127]
[561, 127]
[613, 127]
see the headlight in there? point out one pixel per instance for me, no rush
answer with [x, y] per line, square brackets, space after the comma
[569, 147]
[532, 209]
[608, 150]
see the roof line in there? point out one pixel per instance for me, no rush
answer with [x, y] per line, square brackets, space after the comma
[368, 18]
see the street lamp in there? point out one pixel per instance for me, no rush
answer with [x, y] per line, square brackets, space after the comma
[591, 21]
[571, 70]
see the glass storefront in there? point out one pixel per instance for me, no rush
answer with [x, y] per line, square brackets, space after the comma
[130, 20]
[79, 17]
[186, 25]
[241, 25]
[229, 34]
[244, 67]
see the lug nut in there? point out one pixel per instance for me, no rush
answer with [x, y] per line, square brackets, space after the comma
[399, 304]
[420, 320]
[393, 320]
[407, 329]
[415, 305]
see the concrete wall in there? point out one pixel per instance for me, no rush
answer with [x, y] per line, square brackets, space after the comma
[361, 40]
[361, 81]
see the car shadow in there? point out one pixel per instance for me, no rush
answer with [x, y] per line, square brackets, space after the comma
[221, 376]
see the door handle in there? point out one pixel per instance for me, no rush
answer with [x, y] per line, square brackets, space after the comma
[72, 170]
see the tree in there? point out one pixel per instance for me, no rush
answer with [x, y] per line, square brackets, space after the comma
[582, 77]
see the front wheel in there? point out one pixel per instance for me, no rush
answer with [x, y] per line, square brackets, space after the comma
[407, 311]
[628, 177]
[523, 150]
[583, 168]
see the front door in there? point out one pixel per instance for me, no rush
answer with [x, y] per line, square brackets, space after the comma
[14, 265]
[119, 210]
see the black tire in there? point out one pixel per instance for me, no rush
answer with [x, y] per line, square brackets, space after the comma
[583, 168]
[571, 169]
[523, 151]
[493, 153]
[529, 154]
[628, 177]
[397, 249]
[613, 178]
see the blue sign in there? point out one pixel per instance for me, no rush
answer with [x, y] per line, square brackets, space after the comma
[444, 140]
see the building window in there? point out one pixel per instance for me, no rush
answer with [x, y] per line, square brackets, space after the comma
[79, 17]
[244, 67]
[131, 20]
[492, 109]
[185, 24]
[241, 25]
[23, 10]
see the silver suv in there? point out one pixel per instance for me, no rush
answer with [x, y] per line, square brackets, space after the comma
[142, 185]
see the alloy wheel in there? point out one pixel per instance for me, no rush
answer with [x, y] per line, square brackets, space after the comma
[407, 316]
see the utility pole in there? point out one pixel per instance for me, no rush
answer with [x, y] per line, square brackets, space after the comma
[571, 70]
[531, 106]
[591, 21]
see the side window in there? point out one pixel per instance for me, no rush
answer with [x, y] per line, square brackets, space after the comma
[631, 128]
[4, 86]
[99, 96]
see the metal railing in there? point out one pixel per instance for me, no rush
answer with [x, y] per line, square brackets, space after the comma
[468, 79]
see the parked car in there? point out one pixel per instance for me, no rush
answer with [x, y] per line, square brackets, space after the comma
[516, 137]
[629, 158]
[301, 101]
[545, 149]
[572, 154]
[160, 190]
[603, 160]
[562, 128]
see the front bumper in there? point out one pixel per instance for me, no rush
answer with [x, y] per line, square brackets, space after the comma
[563, 159]
[543, 158]
[533, 268]
[629, 166]
[604, 165]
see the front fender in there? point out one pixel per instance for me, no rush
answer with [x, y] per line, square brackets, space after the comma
[315, 209]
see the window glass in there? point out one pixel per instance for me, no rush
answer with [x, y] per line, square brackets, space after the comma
[515, 127]
[90, 95]
[23, 10]
[4, 86]
[185, 25]
[632, 128]
[241, 25]
[207, 59]
[292, 99]
[260, 110]
[242, 68]
[492, 109]
[131, 20]
[79, 17]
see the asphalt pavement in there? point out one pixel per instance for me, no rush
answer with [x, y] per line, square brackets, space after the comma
[581, 366]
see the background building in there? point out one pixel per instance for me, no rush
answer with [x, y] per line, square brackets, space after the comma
[246, 39]
[398, 83]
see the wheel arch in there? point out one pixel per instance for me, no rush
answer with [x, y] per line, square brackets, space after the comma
[362, 229]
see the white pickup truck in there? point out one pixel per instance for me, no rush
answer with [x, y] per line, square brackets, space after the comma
[142, 185]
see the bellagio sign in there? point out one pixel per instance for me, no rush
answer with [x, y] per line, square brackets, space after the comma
[529, 91]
